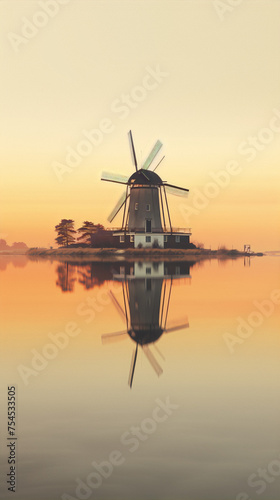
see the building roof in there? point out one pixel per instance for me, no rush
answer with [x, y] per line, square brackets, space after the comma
[145, 177]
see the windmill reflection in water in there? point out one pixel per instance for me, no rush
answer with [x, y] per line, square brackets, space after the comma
[146, 290]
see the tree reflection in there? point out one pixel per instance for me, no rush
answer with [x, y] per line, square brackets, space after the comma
[65, 277]
[93, 274]
[88, 274]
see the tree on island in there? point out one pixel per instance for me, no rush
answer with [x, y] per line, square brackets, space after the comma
[65, 230]
[87, 230]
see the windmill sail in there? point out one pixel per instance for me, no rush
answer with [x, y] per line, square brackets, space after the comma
[132, 149]
[113, 337]
[175, 328]
[118, 206]
[110, 177]
[152, 155]
[117, 305]
[178, 191]
[132, 367]
[152, 360]
[158, 164]
[157, 349]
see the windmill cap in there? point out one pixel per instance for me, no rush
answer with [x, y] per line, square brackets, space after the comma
[144, 177]
[145, 335]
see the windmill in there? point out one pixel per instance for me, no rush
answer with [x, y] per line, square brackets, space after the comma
[145, 310]
[145, 204]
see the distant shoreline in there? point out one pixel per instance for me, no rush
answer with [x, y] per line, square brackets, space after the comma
[101, 254]
[14, 252]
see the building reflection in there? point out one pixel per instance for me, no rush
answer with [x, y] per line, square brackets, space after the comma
[92, 274]
[147, 288]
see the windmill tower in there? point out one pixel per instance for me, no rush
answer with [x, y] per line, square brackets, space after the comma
[146, 302]
[146, 218]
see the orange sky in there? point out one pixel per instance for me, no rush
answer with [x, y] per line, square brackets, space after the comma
[217, 90]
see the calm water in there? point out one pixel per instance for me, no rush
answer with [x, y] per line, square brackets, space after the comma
[142, 381]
